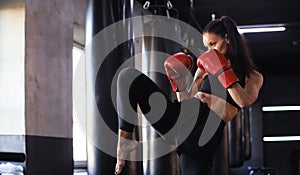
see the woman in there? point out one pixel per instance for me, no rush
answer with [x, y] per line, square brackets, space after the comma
[226, 81]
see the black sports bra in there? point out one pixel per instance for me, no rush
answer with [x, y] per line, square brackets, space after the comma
[211, 85]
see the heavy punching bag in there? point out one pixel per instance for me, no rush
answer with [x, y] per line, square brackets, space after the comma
[102, 63]
[246, 116]
[239, 141]
[220, 163]
[235, 142]
[169, 163]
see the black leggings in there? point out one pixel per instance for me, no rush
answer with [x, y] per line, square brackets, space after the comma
[180, 123]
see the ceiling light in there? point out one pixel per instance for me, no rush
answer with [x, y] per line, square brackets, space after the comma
[281, 138]
[280, 108]
[261, 28]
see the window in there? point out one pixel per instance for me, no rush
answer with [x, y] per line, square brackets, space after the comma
[12, 80]
[79, 137]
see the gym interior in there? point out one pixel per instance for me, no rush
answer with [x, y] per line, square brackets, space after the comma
[58, 65]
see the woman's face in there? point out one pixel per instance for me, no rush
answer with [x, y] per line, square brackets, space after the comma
[213, 41]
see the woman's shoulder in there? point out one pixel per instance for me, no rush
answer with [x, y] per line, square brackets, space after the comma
[257, 74]
[255, 77]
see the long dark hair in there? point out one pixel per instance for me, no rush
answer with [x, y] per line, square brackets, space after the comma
[238, 52]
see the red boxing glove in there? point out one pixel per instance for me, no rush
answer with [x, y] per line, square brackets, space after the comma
[213, 62]
[177, 68]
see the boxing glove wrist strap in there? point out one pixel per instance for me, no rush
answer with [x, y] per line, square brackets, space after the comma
[222, 70]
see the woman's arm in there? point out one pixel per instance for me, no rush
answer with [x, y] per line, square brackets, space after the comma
[249, 94]
[198, 79]
[242, 96]
[223, 109]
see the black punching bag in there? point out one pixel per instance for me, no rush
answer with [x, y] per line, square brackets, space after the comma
[102, 64]
[235, 142]
[169, 163]
[246, 118]
[220, 162]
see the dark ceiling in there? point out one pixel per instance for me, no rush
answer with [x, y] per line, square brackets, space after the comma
[276, 52]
